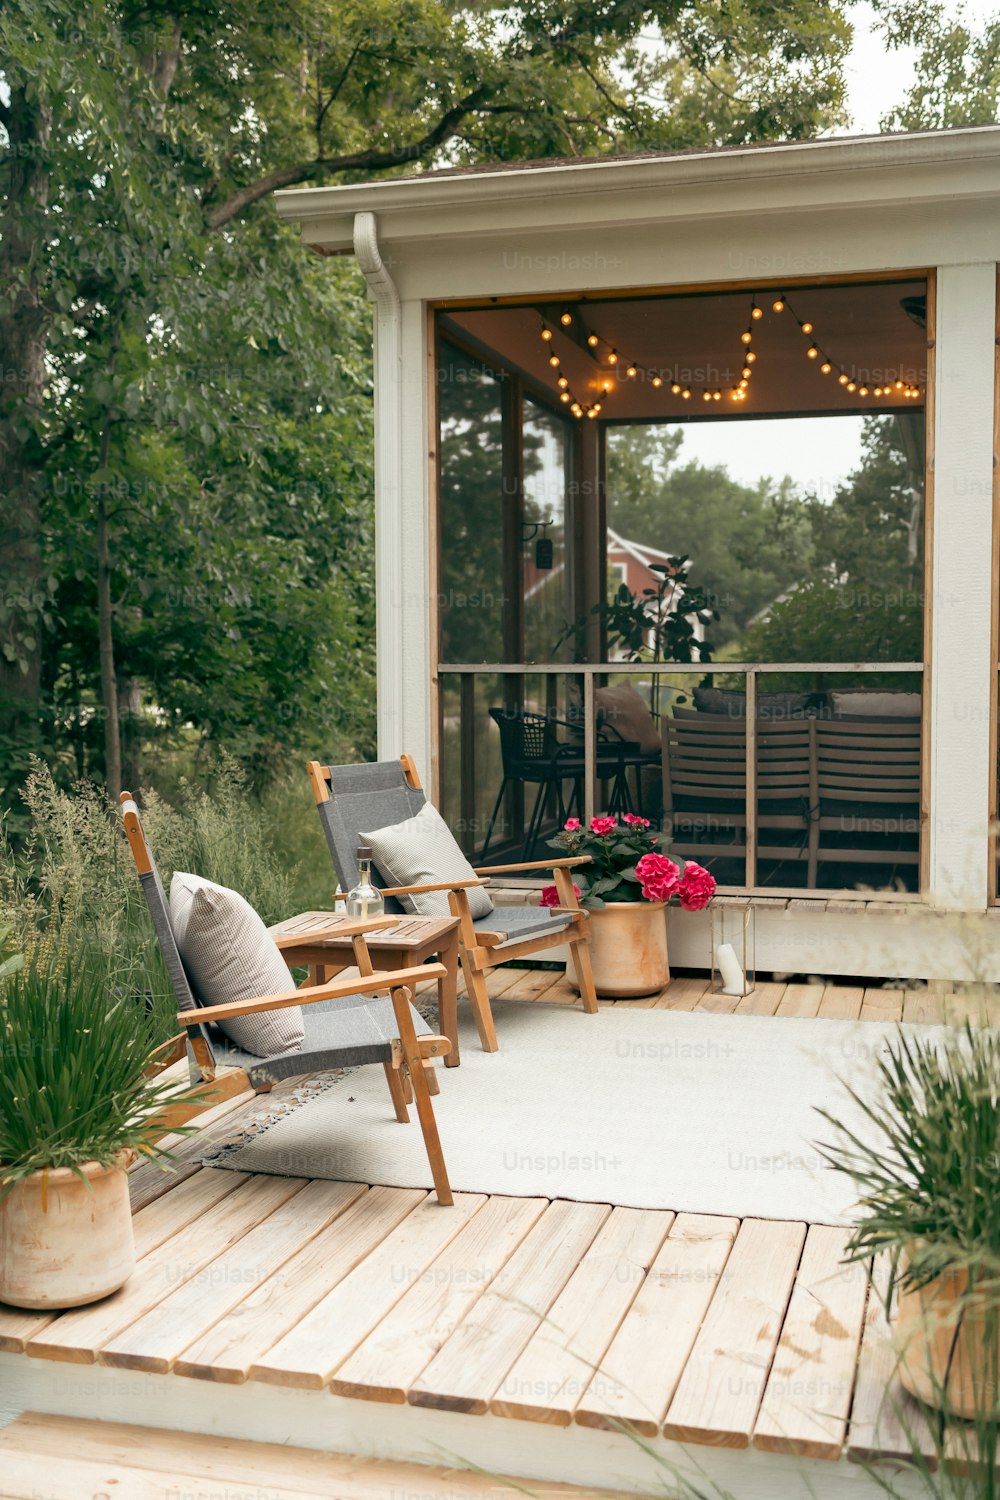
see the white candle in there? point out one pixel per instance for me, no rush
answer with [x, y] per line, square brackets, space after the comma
[729, 970]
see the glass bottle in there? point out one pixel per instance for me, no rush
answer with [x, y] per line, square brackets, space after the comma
[364, 900]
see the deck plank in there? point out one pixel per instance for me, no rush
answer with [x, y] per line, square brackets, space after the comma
[228, 1351]
[800, 1001]
[882, 1005]
[78, 1336]
[841, 1002]
[155, 1340]
[390, 1358]
[763, 1000]
[309, 1353]
[923, 1007]
[188, 1201]
[681, 994]
[636, 1379]
[553, 1371]
[211, 1465]
[808, 1394]
[886, 1424]
[716, 1003]
[470, 1366]
[719, 1393]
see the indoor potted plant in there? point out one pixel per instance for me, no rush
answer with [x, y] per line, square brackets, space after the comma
[627, 887]
[925, 1160]
[78, 1099]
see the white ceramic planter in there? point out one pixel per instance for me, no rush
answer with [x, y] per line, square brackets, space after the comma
[65, 1242]
[628, 948]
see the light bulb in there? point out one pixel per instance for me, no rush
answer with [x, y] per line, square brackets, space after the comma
[613, 357]
[554, 361]
[657, 381]
[565, 396]
[746, 337]
[566, 319]
[899, 385]
[595, 408]
[746, 372]
[756, 312]
[878, 390]
[562, 382]
[807, 328]
[716, 395]
[546, 334]
[842, 379]
[593, 340]
[685, 395]
[631, 372]
[592, 412]
[751, 357]
[744, 383]
[826, 367]
[706, 395]
[851, 386]
[778, 305]
[812, 352]
[675, 388]
[607, 386]
[862, 390]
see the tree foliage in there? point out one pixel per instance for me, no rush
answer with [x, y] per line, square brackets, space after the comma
[185, 407]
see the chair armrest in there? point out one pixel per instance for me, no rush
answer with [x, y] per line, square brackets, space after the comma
[342, 929]
[336, 989]
[446, 885]
[539, 864]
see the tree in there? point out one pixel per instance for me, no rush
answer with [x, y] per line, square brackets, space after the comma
[957, 72]
[747, 543]
[862, 599]
[119, 237]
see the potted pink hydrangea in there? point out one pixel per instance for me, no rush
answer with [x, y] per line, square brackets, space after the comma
[628, 885]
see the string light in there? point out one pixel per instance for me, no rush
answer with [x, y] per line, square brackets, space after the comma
[739, 392]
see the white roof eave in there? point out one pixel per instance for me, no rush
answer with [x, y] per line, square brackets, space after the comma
[828, 174]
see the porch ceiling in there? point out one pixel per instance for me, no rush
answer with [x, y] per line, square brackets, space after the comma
[864, 330]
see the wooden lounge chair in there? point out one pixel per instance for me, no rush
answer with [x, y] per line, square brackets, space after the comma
[348, 1022]
[353, 799]
[868, 778]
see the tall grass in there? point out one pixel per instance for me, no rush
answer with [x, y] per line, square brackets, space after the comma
[71, 896]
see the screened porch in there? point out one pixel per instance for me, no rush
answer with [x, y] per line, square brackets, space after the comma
[680, 573]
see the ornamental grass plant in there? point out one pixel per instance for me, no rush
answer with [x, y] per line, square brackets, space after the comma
[76, 1079]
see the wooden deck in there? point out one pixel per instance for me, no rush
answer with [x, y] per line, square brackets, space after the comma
[685, 1328]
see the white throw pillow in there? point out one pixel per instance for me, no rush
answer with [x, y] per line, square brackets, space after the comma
[423, 851]
[230, 955]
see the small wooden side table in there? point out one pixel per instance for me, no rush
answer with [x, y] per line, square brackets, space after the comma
[411, 941]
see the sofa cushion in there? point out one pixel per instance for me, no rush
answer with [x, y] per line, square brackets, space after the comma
[230, 955]
[423, 851]
[874, 703]
[733, 704]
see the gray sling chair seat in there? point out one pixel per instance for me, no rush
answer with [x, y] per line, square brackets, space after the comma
[376, 794]
[348, 1022]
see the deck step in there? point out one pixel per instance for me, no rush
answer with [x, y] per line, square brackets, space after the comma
[68, 1458]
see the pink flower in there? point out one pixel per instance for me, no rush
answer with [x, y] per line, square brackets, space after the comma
[696, 888]
[603, 826]
[571, 825]
[634, 820]
[659, 876]
[550, 895]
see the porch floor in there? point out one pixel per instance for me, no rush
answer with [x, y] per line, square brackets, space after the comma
[685, 1327]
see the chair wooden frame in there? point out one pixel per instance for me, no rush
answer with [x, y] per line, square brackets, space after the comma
[405, 1073]
[480, 951]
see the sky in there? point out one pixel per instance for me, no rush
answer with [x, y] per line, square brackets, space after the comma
[828, 447]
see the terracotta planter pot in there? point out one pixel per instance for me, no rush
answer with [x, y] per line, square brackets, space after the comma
[949, 1345]
[65, 1242]
[628, 948]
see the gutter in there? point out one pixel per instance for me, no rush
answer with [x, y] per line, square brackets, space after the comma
[388, 405]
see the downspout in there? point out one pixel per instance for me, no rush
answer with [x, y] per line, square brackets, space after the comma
[388, 405]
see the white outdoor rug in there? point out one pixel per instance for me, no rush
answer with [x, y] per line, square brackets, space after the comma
[639, 1108]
